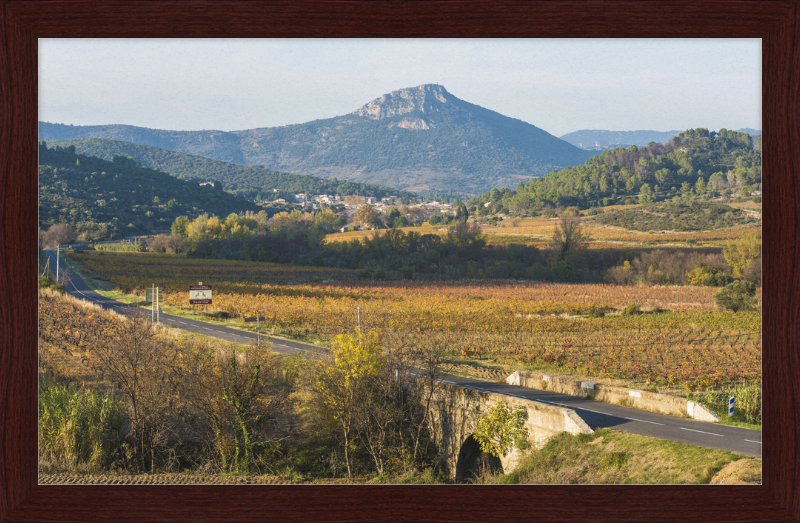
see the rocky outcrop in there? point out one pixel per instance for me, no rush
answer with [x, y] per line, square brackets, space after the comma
[415, 124]
[423, 98]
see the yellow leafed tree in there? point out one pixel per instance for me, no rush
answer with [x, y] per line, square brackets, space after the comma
[356, 359]
[739, 253]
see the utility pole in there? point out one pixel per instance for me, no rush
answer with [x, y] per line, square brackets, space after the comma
[358, 310]
[258, 331]
[152, 304]
[57, 259]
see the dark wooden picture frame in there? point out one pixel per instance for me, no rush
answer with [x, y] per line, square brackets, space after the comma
[776, 22]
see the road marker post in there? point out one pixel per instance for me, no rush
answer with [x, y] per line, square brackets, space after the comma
[256, 319]
[730, 406]
[153, 296]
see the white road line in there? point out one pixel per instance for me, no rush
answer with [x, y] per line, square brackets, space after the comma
[751, 441]
[653, 422]
[703, 432]
[595, 411]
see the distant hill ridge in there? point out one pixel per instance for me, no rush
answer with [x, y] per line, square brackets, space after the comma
[419, 138]
[246, 180]
[588, 139]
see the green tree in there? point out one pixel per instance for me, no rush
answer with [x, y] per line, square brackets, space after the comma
[645, 194]
[395, 218]
[325, 220]
[700, 186]
[501, 429]
[179, 226]
[686, 190]
[737, 296]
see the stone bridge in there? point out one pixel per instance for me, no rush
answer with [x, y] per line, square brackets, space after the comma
[453, 418]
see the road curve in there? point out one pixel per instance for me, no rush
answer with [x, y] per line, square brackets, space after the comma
[596, 414]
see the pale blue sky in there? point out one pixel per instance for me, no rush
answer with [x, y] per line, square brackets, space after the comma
[557, 85]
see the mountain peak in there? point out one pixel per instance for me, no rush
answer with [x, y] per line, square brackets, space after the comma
[422, 98]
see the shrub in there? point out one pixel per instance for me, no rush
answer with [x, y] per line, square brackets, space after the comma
[632, 310]
[595, 311]
[564, 272]
[47, 283]
[737, 296]
[120, 247]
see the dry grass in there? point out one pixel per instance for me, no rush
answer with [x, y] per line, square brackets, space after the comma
[611, 457]
[742, 472]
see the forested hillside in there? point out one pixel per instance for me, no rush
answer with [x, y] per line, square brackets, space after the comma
[694, 163]
[251, 181]
[99, 198]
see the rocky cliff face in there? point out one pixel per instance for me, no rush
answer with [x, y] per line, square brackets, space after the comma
[424, 98]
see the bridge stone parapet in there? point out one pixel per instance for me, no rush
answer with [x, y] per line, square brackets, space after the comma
[638, 399]
[453, 418]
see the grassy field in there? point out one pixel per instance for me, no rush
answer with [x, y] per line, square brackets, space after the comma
[612, 457]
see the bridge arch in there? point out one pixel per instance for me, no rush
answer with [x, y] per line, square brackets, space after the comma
[453, 420]
[473, 461]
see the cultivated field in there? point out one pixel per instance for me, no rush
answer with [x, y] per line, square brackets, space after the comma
[579, 329]
[540, 231]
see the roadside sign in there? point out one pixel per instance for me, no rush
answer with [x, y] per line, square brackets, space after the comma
[200, 294]
[254, 318]
[730, 406]
[148, 295]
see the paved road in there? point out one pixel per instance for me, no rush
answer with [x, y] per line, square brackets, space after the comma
[596, 414]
